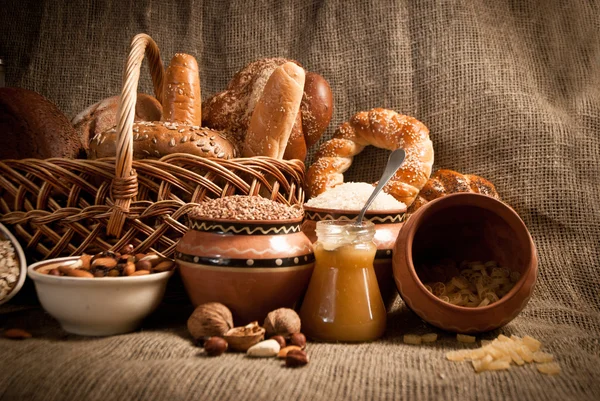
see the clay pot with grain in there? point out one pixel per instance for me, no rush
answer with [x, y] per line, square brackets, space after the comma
[464, 226]
[252, 267]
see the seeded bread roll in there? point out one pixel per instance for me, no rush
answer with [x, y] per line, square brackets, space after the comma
[275, 113]
[444, 182]
[102, 116]
[232, 109]
[179, 131]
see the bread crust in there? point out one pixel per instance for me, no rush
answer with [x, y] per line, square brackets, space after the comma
[275, 113]
[232, 109]
[158, 139]
[444, 182]
[384, 129]
[32, 126]
[102, 116]
[180, 130]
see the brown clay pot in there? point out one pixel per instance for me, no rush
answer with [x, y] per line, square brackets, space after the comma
[252, 267]
[465, 226]
[387, 226]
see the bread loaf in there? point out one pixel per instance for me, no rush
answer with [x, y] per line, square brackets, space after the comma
[384, 129]
[232, 109]
[444, 182]
[102, 116]
[275, 113]
[179, 131]
[32, 126]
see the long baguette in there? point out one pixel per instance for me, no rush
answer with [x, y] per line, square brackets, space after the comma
[275, 113]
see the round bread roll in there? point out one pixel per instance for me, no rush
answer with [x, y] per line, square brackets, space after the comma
[32, 126]
[384, 129]
[102, 116]
[233, 108]
[179, 131]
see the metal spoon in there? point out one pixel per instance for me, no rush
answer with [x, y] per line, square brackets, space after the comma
[394, 162]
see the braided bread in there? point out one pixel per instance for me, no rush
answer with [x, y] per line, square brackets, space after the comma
[445, 182]
[384, 129]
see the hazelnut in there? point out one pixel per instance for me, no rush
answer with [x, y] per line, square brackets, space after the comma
[210, 319]
[283, 321]
[215, 346]
[298, 339]
[127, 249]
[296, 358]
[280, 340]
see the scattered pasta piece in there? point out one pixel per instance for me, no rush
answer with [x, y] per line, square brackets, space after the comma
[463, 338]
[542, 357]
[502, 352]
[429, 338]
[413, 339]
[551, 368]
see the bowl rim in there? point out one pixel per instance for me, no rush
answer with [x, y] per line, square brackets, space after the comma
[40, 277]
[530, 259]
[22, 263]
[354, 211]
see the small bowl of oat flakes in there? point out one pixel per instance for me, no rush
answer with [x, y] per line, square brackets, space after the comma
[12, 265]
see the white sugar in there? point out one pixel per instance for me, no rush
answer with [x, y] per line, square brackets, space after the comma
[353, 196]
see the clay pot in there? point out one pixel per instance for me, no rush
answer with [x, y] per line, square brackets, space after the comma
[252, 267]
[387, 226]
[464, 226]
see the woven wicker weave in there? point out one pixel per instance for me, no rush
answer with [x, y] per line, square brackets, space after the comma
[58, 207]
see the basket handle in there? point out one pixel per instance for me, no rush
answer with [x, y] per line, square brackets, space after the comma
[125, 185]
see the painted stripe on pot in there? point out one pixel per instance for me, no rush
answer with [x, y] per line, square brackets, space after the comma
[242, 270]
[245, 228]
[264, 263]
[376, 218]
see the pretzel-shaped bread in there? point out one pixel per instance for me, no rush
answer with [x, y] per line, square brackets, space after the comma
[384, 129]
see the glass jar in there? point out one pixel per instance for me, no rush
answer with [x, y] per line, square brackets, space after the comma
[343, 302]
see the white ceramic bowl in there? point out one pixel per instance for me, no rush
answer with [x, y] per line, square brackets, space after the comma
[97, 306]
[6, 235]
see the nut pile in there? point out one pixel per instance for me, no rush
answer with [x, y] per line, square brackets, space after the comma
[112, 264]
[471, 284]
[9, 269]
[242, 207]
[211, 323]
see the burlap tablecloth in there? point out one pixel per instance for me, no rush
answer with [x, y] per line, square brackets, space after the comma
[509, 89]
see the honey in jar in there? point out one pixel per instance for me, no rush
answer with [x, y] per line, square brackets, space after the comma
[343, 302]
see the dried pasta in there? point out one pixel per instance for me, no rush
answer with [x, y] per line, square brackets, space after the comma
[477, 284]
[502, 352]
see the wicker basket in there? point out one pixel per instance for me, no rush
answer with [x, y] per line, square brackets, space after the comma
[59, 207]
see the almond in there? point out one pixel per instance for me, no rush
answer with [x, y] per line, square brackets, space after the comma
[284, 351]
[17, 334]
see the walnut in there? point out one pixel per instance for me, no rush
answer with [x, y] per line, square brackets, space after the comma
[242, 338]
[283, 322]
[210, 319]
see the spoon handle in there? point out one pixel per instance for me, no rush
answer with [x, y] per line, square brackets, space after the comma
[394, 162]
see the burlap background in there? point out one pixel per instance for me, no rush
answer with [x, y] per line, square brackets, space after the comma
[509, 89]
